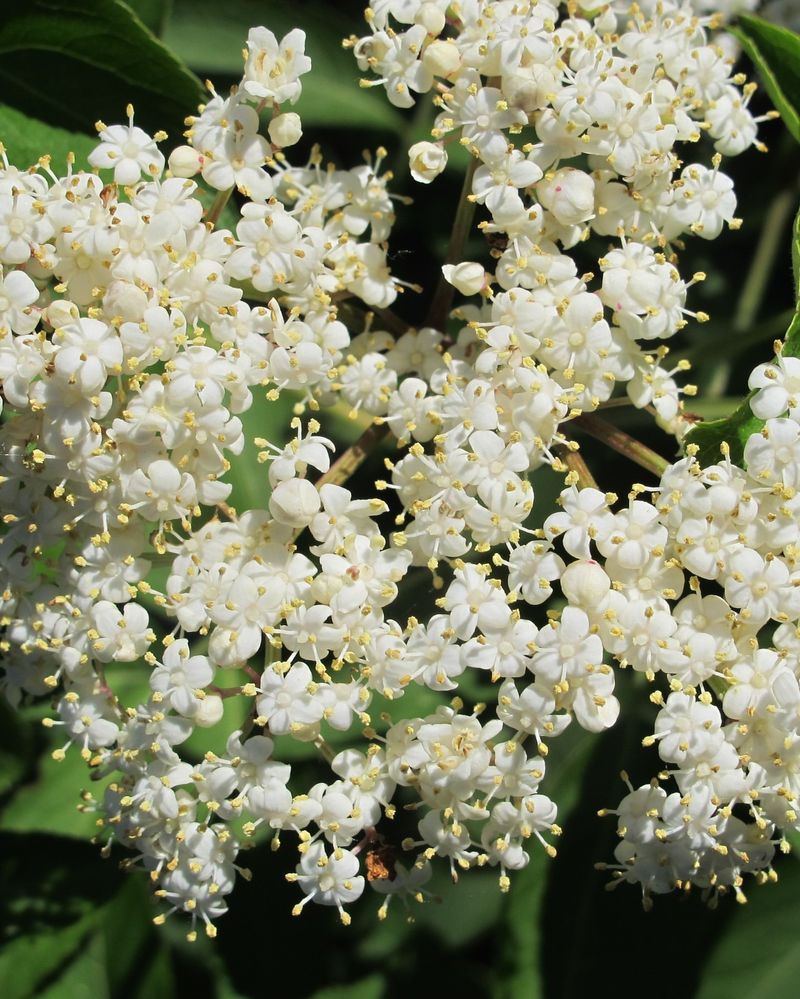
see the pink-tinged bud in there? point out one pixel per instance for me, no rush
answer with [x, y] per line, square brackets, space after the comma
[568, 194]
[184, 161]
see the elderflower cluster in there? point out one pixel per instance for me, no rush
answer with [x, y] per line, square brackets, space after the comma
[135, 330]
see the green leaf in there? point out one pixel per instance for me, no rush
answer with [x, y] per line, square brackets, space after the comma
[796, 255]
[373, 987]
[742, 423]
[733, 430]
[269, 420]
[154, 14]
[466, 909]
[50, 802]
[85, 976]
[210, 37]
[99, 57]
[26, 139]
[17, 750]
[54, 890]
[775, 52]
[760, 953]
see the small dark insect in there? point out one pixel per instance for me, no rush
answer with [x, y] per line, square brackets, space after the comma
[380, 863]
[497, 240]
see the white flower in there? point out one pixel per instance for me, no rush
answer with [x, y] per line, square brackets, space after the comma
[128, 150]
[289, 701]
[777, 388]
[329, 879]
[273, 69]
[426, 161]
[180, 679]
[704, 200]
[17, 294]
[119, 636]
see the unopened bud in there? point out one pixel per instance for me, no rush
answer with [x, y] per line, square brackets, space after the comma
[294, 502]
[468, 277]
[185, 161]
[442, 58]
[285, 129]
[585, 583]
[569, 195]
[431, 17]
[61, 312]
[209, 711]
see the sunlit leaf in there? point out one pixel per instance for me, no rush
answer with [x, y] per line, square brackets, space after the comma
[97, 47]
[27, 139]
[775, 52]
[50, 802]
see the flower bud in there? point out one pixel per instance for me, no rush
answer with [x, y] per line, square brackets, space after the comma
[431, 18]
[285, 129]
[294, 502]
[585, 584]
[531, 88]
[209, 711]
[427, 160]
[568, 194]
[126, 301]
[468, 277]
[60, 312]
[442, 57]
[184, 161]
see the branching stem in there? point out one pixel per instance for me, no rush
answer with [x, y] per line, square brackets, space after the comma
[622, 443]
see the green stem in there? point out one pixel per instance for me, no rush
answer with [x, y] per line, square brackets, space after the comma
[389, 320]
[770, 243]
[622, 443]
[578, 470]
[218, 206]
[462, 225]
[350, 460]
[750, 300]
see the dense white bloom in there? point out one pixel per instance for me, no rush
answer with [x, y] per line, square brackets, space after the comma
[142, 535]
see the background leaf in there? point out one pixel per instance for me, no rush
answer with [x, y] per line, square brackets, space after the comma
[91, 47]
[587, 931]
[742, 423]
[50, 801]
[373, 987]
[524, 918]
[760, 953]
[26, 139]
[775, 52]
[796, 254]
[47, 909]
[154, 14]
[734, 430]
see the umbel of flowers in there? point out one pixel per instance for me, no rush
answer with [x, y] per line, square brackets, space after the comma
[134, 332]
